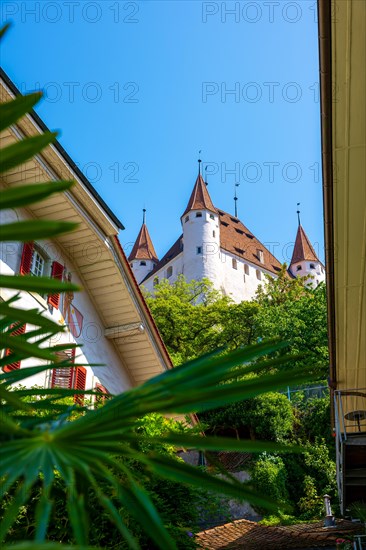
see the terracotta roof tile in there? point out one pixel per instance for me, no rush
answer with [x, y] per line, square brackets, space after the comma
[143, 249]
[303, 249]
[200, 198]
[237, 239]
[248, 535]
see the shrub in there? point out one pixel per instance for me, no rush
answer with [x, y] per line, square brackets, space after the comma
[269, 477]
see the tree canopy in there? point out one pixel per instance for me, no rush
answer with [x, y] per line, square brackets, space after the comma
[193, 318]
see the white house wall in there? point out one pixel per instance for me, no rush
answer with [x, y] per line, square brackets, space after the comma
[96, 349]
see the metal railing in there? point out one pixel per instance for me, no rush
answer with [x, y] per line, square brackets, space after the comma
[348, 420]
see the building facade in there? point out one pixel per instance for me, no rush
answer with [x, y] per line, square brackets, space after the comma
[218, 246]
[109, 317]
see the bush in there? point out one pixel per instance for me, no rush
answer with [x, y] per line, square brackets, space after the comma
[269, 477]
[268, 417]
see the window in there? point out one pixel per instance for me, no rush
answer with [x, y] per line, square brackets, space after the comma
[199, 250]
[8, 353]
[186, 219]
[312, 266]
[234, 263]
[258, 274]
[234, 220]
[298, 268]
[34, 262]
[199, 215]
[246, 269]
[260, 255]
[225, 224]
[156, 281]
[142, 262]
[131, 264]
[38, 264]
[239, 231]
[214, 233]
[239, 250]
[212, 216]
[169, 271]
[69, 377]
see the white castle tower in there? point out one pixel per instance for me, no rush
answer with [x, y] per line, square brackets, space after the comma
[201, 236]
[304, 261]
[143, 257]
[216, 245]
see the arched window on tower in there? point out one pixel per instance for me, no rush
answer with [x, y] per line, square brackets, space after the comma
[258, 274]
[198, 214]
[312, 266]
[142, 262]
[169, 271]
[298, 268]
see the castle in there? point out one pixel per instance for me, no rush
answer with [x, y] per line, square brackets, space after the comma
[219, 247]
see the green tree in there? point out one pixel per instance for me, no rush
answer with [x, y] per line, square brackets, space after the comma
[298, 313]
[193, 318]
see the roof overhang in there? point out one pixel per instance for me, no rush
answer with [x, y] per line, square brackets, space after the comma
[342, 46]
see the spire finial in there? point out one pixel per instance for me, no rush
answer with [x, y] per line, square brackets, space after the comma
[143, 215]
[298, 213]
[235, 200]
[199, 162]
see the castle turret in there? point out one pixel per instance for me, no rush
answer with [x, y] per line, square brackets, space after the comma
[143, 257]
[304, 260]
[201, 236]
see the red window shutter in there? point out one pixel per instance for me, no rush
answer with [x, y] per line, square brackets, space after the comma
[26, 261]
[63, 377]
[56, 273]
[16, 364]
[79, 384]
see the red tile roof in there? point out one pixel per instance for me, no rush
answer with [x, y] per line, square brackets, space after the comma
[143, 249]
[248, 535]
[303, 249]
[200, 198]
[237, 239]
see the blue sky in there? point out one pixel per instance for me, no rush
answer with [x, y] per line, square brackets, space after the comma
[138, 88]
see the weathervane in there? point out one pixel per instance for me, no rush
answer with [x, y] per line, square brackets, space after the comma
[235, 200]
[199, 162]
[298, 213]
[143, 215]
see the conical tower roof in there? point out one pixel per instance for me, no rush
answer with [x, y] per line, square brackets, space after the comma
[303, 249]
[200, 198]
[143, 249]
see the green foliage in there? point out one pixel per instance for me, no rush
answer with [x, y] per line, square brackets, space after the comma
[193, 318]
[60, 471]
[269, 475]
[295, 312]
[314, 420]
[268, 417]
[310, 476]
